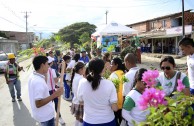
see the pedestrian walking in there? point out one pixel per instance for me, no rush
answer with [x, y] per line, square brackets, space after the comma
[117, 69]
[76, 108]
[12, 77]
[187, 47]
[131, 111]
[130, 63]
[40, 99]
[98, 96]
[52, 81]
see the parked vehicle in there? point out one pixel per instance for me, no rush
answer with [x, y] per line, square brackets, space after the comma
[3, 61]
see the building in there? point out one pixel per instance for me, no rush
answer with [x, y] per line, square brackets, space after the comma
[8, 46]
[163, 33]
[24, 42]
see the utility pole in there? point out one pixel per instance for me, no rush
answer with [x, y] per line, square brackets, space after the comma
[106, 16]
[183, 19]
[27, 38]
[40, 35]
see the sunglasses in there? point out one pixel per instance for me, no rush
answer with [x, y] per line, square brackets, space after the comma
[167, 68]
[144, 83]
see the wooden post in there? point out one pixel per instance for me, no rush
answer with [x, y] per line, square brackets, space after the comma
[59, 98]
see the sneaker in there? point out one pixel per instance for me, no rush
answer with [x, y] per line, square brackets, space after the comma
[19, 99]
[13, 99]
[61, 121]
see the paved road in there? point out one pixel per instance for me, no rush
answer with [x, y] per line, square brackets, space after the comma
[19, 113]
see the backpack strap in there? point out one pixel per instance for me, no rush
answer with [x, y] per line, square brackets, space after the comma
[178, 76]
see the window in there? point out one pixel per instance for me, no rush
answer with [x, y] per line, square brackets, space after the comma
[164, 23]
[152, 25]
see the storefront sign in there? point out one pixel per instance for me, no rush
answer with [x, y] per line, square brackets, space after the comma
[178, 30]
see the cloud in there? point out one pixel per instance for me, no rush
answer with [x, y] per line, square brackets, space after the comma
[52, 15]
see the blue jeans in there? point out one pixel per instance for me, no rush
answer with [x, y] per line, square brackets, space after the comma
[192, 91]
[112, 123]
[17, 84]
[67, 88]
[50, 122]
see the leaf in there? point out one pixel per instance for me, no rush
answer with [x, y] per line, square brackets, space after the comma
[169, 116]
[124, 79]
[116, 82]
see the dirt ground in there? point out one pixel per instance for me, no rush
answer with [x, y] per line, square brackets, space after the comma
[151, 61]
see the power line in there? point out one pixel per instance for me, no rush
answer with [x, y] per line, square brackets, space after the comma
[11, 22]
[5, 6]
[122, 6]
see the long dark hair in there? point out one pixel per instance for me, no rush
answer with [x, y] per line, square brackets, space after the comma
[118, 61]
[95, 67]
[76, 57]
[76, 68]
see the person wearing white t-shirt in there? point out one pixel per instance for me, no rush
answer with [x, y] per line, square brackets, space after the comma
[131, 111]
[98, 96]
[40, 100]
[76, 108]
[169, 77]
[52, 80]
[71, 65]
[130, 64]
[187, 47]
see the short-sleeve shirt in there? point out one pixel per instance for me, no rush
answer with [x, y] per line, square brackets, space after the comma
[38, 89]
[130, 75]
[51, 75]
[97, 103]
[190, 64]
[77, 78]
[168, 84]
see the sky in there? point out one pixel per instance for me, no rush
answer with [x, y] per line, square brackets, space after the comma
[49, 16]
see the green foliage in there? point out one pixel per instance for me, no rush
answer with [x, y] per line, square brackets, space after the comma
[73, 32]
[116, 82]
[110, 48]
[178, 112]
[85, 37]
[107, 74]
[126, 50]
[124, 79]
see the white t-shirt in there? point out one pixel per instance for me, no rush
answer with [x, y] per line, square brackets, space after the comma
[38, 89]
[70, 65]
[53, 75]
[136, 114]
[168, 84]
[190, 64]
[130, 75]
[77, 78]
[97, 103]
[113, 76]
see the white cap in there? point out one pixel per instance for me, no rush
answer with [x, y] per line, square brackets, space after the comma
[50, 59]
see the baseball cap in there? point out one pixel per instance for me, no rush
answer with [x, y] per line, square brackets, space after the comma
[50, 59]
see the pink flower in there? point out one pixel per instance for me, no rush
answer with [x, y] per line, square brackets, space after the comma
[149, 77]
[152, 97]
[180, 86]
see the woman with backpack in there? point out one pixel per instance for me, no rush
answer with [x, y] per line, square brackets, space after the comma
[169, 77]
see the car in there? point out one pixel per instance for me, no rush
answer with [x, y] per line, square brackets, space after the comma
[3, 61]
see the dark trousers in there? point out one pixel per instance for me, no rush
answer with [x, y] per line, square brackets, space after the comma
[118, 117]
[66, 87]
[55, 101]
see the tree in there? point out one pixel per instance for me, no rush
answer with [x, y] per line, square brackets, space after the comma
[73, 32]
[85, 37]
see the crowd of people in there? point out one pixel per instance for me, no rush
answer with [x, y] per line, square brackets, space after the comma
[95, 99]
